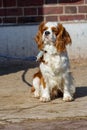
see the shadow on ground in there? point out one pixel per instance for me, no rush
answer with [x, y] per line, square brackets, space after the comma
[4, 70]
[81, 91]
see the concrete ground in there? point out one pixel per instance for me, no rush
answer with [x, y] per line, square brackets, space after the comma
[19, 110]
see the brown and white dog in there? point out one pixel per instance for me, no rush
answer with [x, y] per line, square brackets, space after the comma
[54, 74]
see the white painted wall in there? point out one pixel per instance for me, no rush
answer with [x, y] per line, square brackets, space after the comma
[19, 40]
[78, 33]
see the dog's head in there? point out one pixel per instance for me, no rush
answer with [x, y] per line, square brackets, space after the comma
[52, 33]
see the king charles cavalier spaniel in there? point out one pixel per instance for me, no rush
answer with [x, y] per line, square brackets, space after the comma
[54, 76]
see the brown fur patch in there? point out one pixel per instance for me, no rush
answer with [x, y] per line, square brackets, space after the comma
[56, 93]
[32, 89]
[38, 37]
[38, 74]
[63, 38]
[43, 82]
[55, 30]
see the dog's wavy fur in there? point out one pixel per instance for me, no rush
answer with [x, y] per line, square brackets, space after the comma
[54, 76]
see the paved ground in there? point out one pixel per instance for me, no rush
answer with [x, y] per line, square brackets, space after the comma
[19, 110]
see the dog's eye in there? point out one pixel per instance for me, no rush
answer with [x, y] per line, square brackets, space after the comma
[45, 28]
[54, 30]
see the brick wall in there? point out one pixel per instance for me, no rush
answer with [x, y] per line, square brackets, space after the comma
[34, 11]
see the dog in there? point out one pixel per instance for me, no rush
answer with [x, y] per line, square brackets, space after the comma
[54, 76]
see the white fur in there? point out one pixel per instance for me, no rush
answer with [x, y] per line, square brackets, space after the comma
[36, 84]
[55, 71]
[51, 37]
[45, 94]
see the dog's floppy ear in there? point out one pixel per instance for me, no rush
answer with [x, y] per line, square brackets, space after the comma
[63, 38]
[38, 37]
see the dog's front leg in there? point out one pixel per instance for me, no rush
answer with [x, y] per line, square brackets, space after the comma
[36, 85]
[69, 88]
[45, 91]
[45, 94]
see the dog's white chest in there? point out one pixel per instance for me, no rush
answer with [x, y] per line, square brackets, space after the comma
[52, 60]
[57, 62]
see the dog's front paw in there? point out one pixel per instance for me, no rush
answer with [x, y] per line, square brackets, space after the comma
[36, 94]
[45, 99]
[68, 98]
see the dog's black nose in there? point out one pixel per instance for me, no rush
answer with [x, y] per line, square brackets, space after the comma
[47, 33]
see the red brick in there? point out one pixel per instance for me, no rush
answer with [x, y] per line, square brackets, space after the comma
[50, 10]
[72, 17]
[40, 11]
[30, 11]
[13, 12]
[35, 19]
[0, 20]
[0, 3]
[2, 12]
[85, 1]
[29, 2]
[51, 18]
[86, 15]
[50, 1]
[82, 9]
[71, 1]
[9, 3]
[9, 20]
[70, 9]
